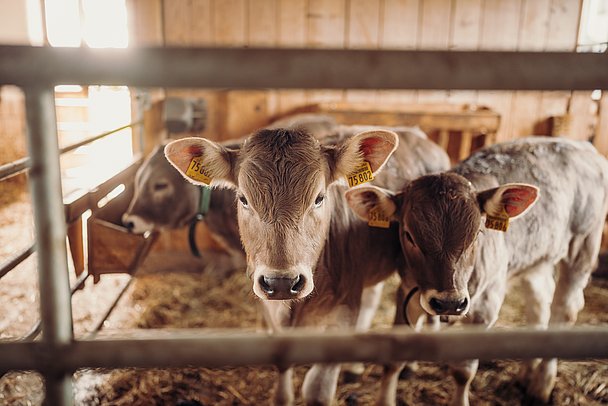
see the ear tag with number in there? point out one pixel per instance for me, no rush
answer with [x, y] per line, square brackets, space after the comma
[198, 172]
[362, 174]
[499, 222]
[377, 218]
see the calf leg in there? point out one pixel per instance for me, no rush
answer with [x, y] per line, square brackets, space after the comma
[568, 300]
[277, 316]
[284, 391]
[463, 374]
[538, 287]
[484, 312]
[390, 377]
[370, 300]
[320, 383]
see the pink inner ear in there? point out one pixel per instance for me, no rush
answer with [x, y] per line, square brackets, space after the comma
[194, 150]
[368, 145]
[517, 199]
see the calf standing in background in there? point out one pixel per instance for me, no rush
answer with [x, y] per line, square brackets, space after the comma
[461, 249]
[309, 257]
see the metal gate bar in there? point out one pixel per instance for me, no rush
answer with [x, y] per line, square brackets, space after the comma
[49, 218]
[58, 354]
[304, 68]
[220, 348]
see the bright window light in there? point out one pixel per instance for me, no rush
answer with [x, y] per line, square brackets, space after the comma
[63, 23]
[105, 23]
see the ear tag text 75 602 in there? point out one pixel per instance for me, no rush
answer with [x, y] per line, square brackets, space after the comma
[377, 218]
[499, 222]
[361, 174]
[197, 171]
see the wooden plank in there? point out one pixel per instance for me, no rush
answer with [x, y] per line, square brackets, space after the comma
[581, 116]
[246, 111]
[230, 22]
[363, 32]
[399, 30]
[435, 16]
[145, 22]
[76, 243]
[326, 24]
[261, 32]
[465, 34]
[601, 130]
[532, 37]
[177, 16]
[262, 27]
[500, 32]
[292, 30]
[201, 24]
[562, 33]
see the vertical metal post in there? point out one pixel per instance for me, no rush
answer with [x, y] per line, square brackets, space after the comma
[45, 187]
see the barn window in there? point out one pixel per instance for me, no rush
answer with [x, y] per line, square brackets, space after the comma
[83, 112]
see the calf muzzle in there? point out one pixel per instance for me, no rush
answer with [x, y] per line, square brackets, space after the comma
[282, 288]
[452, 307]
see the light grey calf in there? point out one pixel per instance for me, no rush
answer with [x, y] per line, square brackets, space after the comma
[456, 235]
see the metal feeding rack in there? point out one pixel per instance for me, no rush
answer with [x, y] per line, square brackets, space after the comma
[58, 353]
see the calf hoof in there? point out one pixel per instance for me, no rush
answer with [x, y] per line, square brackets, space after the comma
[541, 381]
[283, 399]
[408, 371]
[352, 372]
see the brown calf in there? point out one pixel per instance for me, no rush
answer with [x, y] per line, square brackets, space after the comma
[310, 258]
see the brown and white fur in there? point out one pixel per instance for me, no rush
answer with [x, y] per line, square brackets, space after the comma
[309, 257]
[559, 188]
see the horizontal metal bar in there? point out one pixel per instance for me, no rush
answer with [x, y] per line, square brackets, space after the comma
[20, 165]
[304, 68]
[9, 265]
[97, 137]
[14, 168]
[208, 348]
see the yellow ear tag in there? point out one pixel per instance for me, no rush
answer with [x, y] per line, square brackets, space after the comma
[361, 174]
[197, 172]
[499, 223]
[377, 218]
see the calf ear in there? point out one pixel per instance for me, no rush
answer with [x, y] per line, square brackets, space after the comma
[374, 146]
[366, 198]
[202, 162]
[514, 199]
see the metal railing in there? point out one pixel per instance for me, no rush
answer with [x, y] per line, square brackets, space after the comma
[58, 353]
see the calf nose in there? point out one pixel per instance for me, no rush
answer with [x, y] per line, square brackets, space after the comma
[282, 288]
[129, 225]
[452, 307]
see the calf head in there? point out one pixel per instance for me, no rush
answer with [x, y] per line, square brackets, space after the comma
[441, 217]
[281, 178]
[161, 198]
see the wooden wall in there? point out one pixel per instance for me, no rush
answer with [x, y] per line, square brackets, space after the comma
[538, 25]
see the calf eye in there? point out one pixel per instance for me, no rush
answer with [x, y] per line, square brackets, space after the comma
[160, 186]
[319, 200]
[243, 201]
[408, 236]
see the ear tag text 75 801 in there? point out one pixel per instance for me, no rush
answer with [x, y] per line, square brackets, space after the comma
[499, 222]
[361, 174]
[197, 171]
[377, 218]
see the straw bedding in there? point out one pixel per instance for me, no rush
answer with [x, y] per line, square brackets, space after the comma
[178, 299]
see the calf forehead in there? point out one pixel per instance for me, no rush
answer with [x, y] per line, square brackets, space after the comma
[442, 213]
[280, 171]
